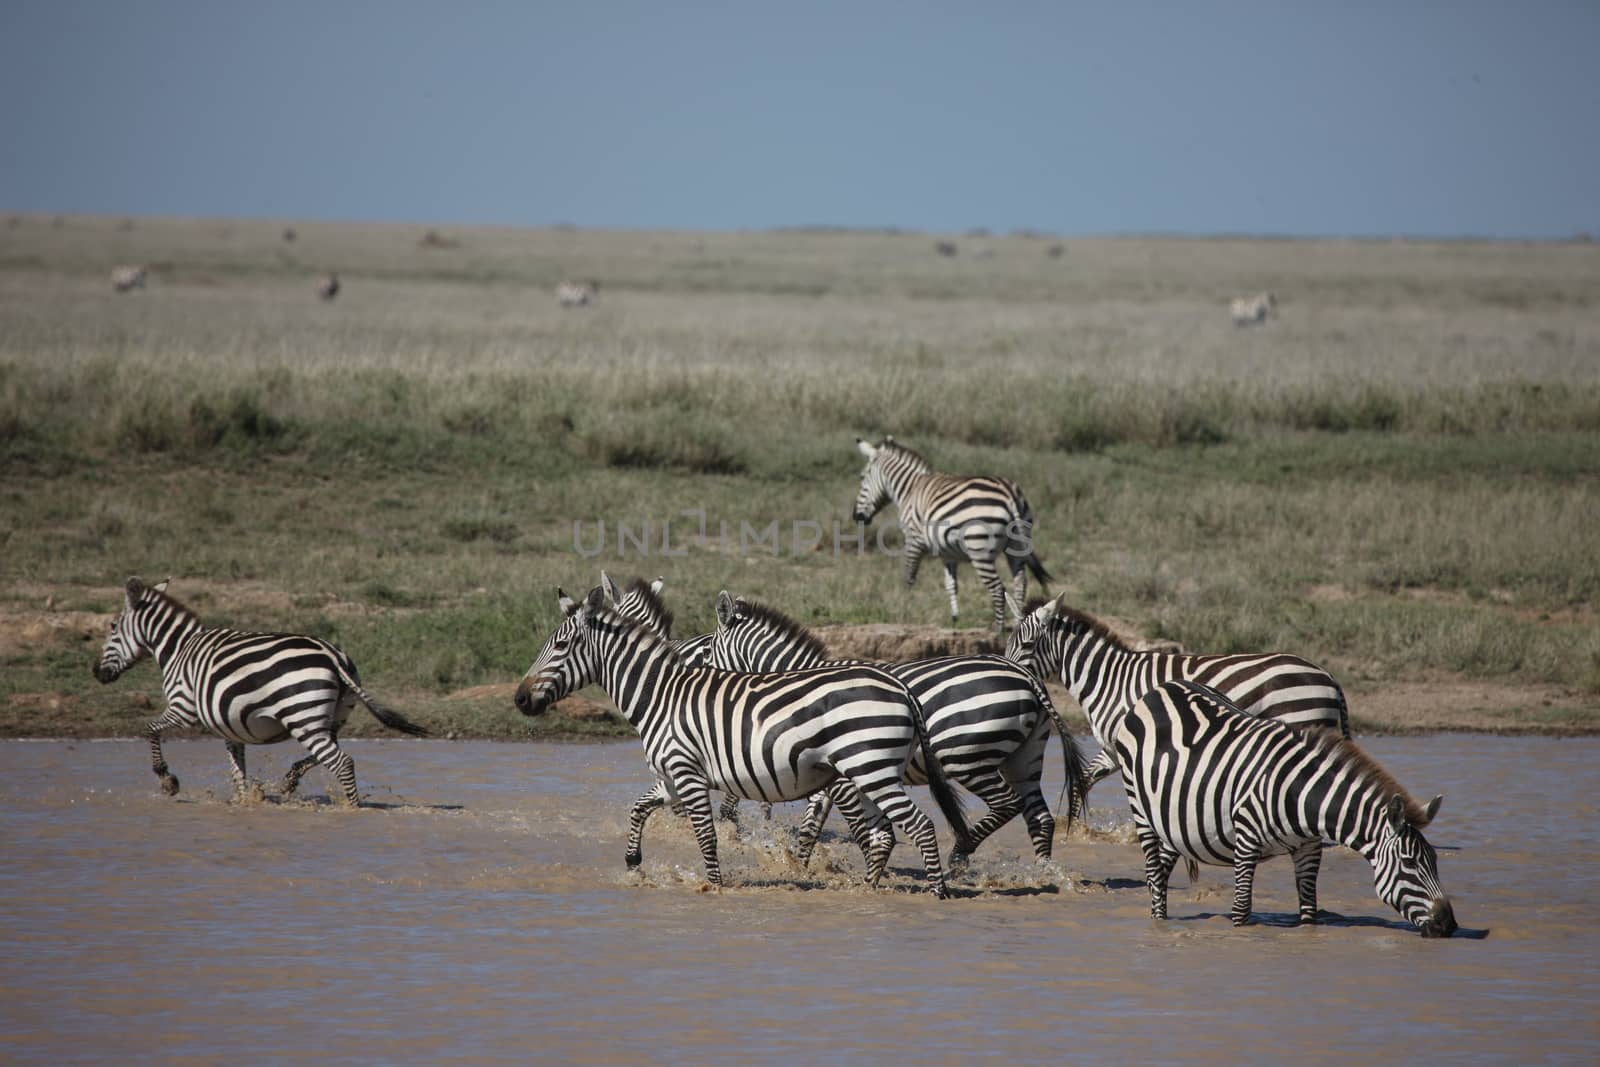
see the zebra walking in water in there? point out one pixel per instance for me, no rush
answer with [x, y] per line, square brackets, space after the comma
[1208, 782]
[761, 737]
[1106, 676]
[956, 518]
[988, 722]
[247, 688]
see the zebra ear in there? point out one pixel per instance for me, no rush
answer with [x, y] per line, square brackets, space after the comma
[866, 449]
[595, 600]
[610, 586]
[888, 439]
[656, 584]
[725, 609]
[569, 607]
[161, 586]
[1431, 810]
[134, 590]
[1394, 813]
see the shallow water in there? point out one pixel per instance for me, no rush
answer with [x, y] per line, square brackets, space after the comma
[478, 912]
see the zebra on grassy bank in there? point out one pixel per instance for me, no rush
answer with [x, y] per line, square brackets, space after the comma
[1106, 676]
[989, 722]
[577, 294]
[247, 688]
[125, 279]
[760, 737]
[1253, 310]
[1210, 783]
[957, 518]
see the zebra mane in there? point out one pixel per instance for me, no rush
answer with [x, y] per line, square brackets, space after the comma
[770, 618]
[1329, 744]
[611, 619]
[1093, 625]
[151, 595]
[891, 443]
[657, 611]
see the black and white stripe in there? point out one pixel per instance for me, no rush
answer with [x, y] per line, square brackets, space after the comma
[247, 688]
[1210, 783]
[1106, 676]
[988, 720]
[769, 737]
[957, 518]
[642, 600]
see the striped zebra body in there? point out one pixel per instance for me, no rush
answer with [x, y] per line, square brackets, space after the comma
[988, 722]
[577, 294]
[1253, 310]
[247, 688]
[1105, 676]
[1208, 782]
[977, 519]
[768, 737]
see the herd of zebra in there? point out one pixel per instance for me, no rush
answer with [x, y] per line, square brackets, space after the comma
[1225, 759]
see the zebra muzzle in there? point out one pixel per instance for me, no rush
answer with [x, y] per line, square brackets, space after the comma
[1441, 920]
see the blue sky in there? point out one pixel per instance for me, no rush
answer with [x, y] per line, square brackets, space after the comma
[1445, 119]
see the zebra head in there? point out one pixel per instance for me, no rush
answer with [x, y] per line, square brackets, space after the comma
[567, 660]
[756, 638]
[1031, 645]
[1405, 869]
[129, 640]
[874, 491]
[639, 601]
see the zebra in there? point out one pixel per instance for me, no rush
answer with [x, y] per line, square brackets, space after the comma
[642, 600]
[959, 518]
[763, 737]
[1251, 310]
[328, 286]
[1209, 782]
[126, 279]
[577, 294]
[988, 722]
[247, 688]
[1106, 676]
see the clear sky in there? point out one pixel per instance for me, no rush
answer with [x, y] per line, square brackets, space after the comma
[1321, 117]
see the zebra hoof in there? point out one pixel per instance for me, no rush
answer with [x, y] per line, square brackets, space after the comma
[957, 863]
[1309, 920]
[288, 787]
[169, 784]
[633, 859]
[941, 892]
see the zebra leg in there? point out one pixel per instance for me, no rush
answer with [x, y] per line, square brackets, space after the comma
[241, 780]
[1004, 804]
[950, 588]
[167, 720]
[730, 809]
[890, 797]
[695, 795]
[296, 771]
[1246, 855]
[915, 550]
[990, 577]
[322, 743]
[1158, 863]
[641, 811]
[811, 826]
[1307, 862]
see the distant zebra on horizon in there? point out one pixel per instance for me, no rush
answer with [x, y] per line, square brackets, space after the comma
[1207, 782]
[247, 688]
[1106, 676]
[125, 279]
[766, 737]
[1252, 310]
[977, 518]
[328, 286]
[989, 721]
[577, 294]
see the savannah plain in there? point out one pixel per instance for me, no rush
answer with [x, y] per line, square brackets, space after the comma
[1398, 477]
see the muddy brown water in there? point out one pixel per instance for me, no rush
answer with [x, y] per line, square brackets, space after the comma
[477, 911]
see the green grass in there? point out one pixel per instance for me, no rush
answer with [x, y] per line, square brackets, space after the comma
[1401, 475]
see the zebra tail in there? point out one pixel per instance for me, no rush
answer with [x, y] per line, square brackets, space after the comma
[1036, 569]
[387, 716]
[938, 784]
[1076, 781]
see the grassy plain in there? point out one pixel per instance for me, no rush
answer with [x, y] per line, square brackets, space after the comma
[1399, 477]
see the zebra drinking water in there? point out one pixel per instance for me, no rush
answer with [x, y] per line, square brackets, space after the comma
[1210, 783]
[956, 518]
[247, 688]
[988, 722]
[1105, 676]
[761, 737]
